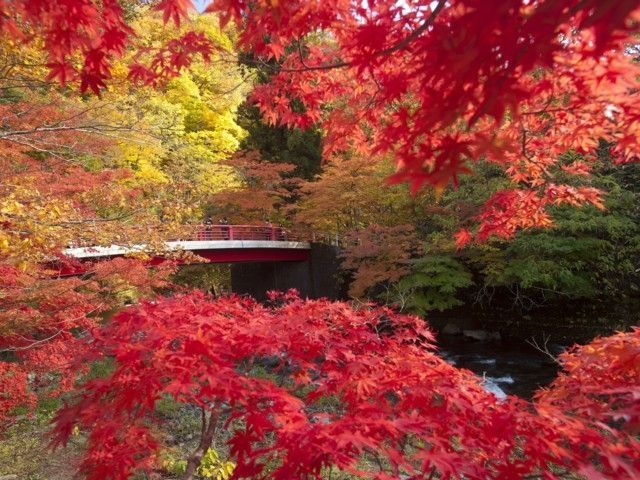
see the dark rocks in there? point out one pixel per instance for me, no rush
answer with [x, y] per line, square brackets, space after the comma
[452, 329]
[482, 335]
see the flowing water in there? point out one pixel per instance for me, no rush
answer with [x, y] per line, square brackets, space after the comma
[507, 367]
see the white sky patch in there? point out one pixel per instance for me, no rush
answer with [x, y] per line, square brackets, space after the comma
[201, 4]
[610, 111]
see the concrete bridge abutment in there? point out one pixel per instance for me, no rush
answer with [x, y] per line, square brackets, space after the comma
[317, 277]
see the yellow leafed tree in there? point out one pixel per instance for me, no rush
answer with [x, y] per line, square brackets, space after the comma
[184, 129]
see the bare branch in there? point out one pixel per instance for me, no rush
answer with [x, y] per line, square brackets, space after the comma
[543, 348]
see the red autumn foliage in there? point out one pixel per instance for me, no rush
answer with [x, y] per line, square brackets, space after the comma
[434, 84]
[378, 255]
[43, 321]
[393, 400]
[13, 385]
[600, 381]
[440, 84]
[264, 189]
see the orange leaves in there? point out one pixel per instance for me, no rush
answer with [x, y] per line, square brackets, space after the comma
[378, 255]
[263, 190]
[576, 196]
[463, 237]
[577, 168]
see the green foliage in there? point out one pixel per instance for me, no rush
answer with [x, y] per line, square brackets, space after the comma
[173, 465]
[587, 254]
[458, 206]
[302, 148]
[100, 369]
[433, 283]
[213, 278]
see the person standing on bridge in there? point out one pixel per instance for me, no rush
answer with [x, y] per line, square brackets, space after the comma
[224, 228]
[281, 233]
[269, 230]
[208, 229]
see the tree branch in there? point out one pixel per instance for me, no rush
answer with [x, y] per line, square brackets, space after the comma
[394, 48]
[206, 438]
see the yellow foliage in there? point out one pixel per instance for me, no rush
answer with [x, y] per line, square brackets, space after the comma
[212, 466]
[183, 130]
[35, 225]
[347, 195]
[143, 159]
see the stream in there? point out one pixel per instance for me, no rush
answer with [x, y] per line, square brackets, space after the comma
[509, 367]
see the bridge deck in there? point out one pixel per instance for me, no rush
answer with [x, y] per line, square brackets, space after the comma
[196, 246]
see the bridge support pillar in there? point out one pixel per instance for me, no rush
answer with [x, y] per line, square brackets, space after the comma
[315, 278]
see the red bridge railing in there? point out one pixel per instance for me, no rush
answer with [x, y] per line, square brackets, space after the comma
[242, 232]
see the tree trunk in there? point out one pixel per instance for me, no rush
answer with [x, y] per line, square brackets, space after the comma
[206, 438]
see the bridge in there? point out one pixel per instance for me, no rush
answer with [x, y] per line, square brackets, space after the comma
[218, 244]
[262, 258]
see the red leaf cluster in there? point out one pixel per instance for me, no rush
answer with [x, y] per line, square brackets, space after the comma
[601, 381]
[378, 255]
[391, 399]
[265, 188]
[441, 84]
[43, 321]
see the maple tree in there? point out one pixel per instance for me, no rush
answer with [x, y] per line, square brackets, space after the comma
[347, 196]
[372, 224]
[262, 192]
[391, 398]
[83, 171]
[378, 256]
[43, 321]
[435, 84]
[600, 381]
[50, 200]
